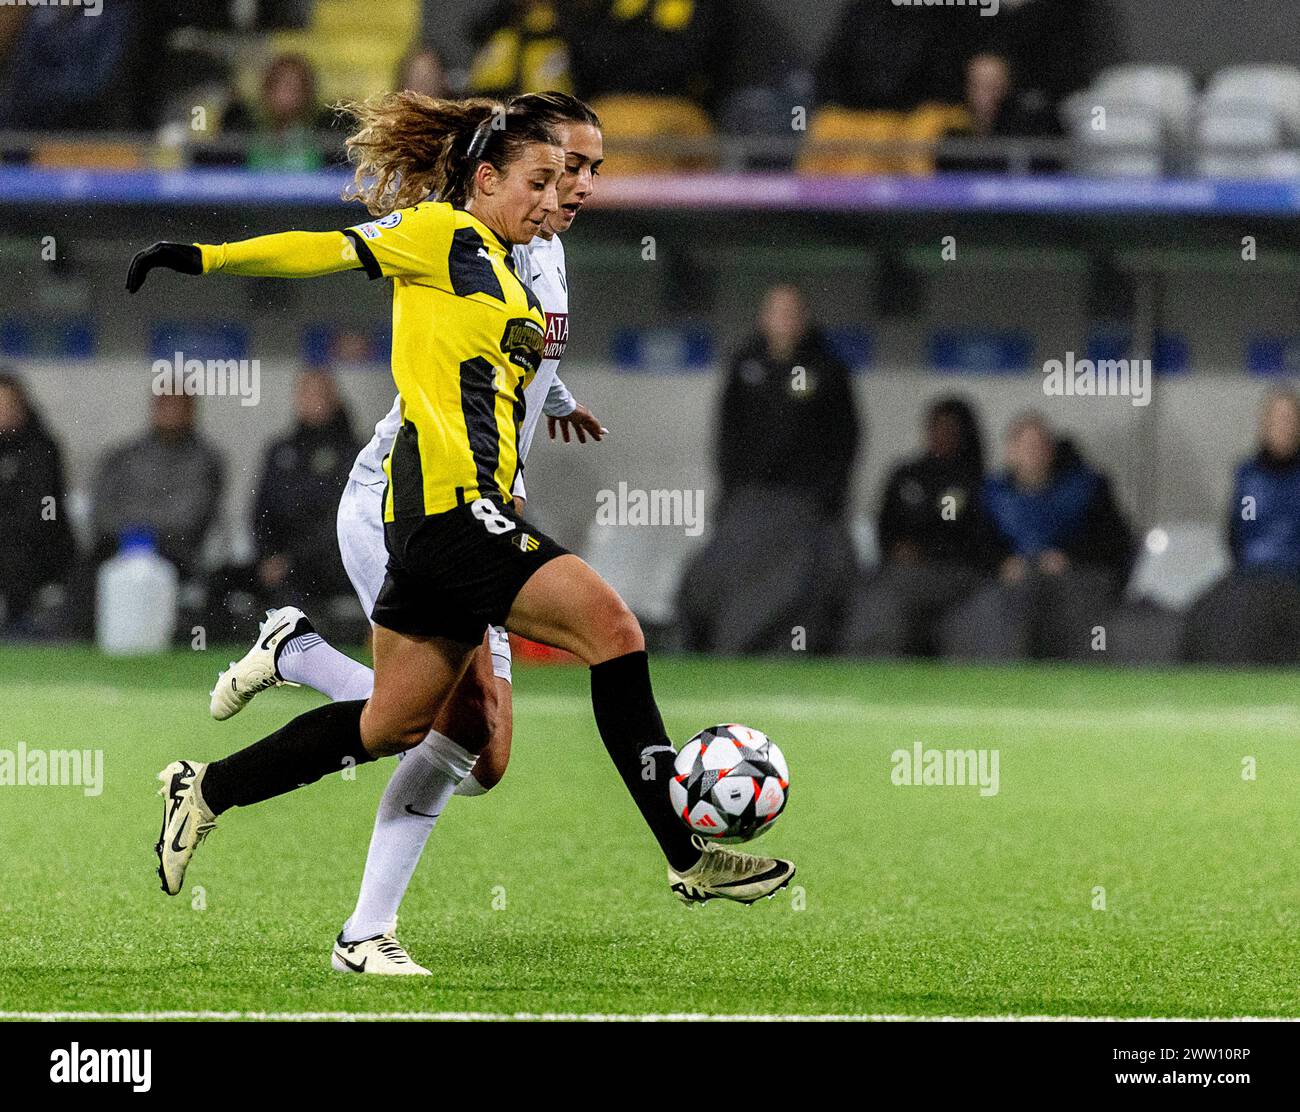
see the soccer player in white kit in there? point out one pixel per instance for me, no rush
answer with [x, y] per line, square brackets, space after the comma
[288, 650]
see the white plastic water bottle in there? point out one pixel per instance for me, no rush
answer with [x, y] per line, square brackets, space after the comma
[135, 607]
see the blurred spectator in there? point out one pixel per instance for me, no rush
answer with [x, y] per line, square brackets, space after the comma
[776, 574]
[929, 539]
[288, 127]
[36, 544]
[68, 69]
[1252, 616]
[1054, 48]
[519, 49]
[787, 402]
[995, 113]
[303, 475]
[1061, 548]
[168, 482]
[885, 57]
[700, 50]
[423, 71]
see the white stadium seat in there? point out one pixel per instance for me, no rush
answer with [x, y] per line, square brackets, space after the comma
[1278, 87]
[1238, 139]
[1169, 91]
[1130, 145]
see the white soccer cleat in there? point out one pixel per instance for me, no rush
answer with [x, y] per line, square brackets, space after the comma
[186, 822]
[256, 671]
[382, 955]
[725, 874]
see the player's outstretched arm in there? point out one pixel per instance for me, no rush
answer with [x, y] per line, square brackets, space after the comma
[282, 255]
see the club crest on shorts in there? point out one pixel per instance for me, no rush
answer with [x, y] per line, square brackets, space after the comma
[526, 542]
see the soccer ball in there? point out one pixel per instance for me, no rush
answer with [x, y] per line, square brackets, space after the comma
[731, 782]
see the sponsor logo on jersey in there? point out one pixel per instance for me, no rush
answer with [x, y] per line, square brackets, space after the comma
[557, 335]
[523, 342]
[526, 542]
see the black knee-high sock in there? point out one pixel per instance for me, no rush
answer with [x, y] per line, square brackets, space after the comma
[313, 745]
[633, 732]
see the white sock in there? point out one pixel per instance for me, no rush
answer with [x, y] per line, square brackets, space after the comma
[424, 781]
[309, 660]
[470, 786]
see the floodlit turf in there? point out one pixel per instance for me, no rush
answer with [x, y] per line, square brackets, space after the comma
[549, 896]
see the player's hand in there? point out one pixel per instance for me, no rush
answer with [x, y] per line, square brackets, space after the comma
[184, 257]
[1015, 569]
[1053, 562]
[583, 423]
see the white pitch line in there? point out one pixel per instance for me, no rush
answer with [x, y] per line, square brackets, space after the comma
[837, 710]
[955, 716]
[617, 1017]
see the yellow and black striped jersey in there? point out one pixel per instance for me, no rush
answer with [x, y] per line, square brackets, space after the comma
[468, 336]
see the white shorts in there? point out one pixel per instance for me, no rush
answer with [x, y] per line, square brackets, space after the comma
[361, 544]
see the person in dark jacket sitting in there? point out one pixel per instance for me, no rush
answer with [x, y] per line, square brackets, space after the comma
[1252, 615]
[1060, 548]
[929, 542]
[36, 545]
[302, 478]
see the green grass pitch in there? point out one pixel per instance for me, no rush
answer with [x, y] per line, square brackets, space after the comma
[548, 896]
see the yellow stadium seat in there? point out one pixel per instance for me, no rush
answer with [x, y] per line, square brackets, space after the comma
[842, 125]
[639, 119]
[929, 124]
[55, 154]
[355, 48]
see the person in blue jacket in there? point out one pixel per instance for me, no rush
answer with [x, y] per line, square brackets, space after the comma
[1252, 615]
[1058, 550]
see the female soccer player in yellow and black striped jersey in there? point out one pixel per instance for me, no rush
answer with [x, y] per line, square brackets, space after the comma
[467, 336]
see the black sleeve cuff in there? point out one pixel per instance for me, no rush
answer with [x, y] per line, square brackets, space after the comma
[367, 257]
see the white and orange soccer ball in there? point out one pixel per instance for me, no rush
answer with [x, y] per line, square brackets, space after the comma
[730, 783]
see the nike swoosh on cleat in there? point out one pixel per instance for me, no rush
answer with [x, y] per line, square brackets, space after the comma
[176, 846]
[355, 968]
[278, 629]
[423, 814]
[771, 874]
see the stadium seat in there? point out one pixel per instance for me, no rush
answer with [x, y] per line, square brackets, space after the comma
[1169, 91]
[355, 48]
[643, 565]
[1130, 145]
[647, 121]
[1177, 563]
[61, 154]
[831, 127]
[1237, 139]
[824, 151]
[1276, 86]
[928, 124]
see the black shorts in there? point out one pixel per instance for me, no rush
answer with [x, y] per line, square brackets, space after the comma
[454, 574]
